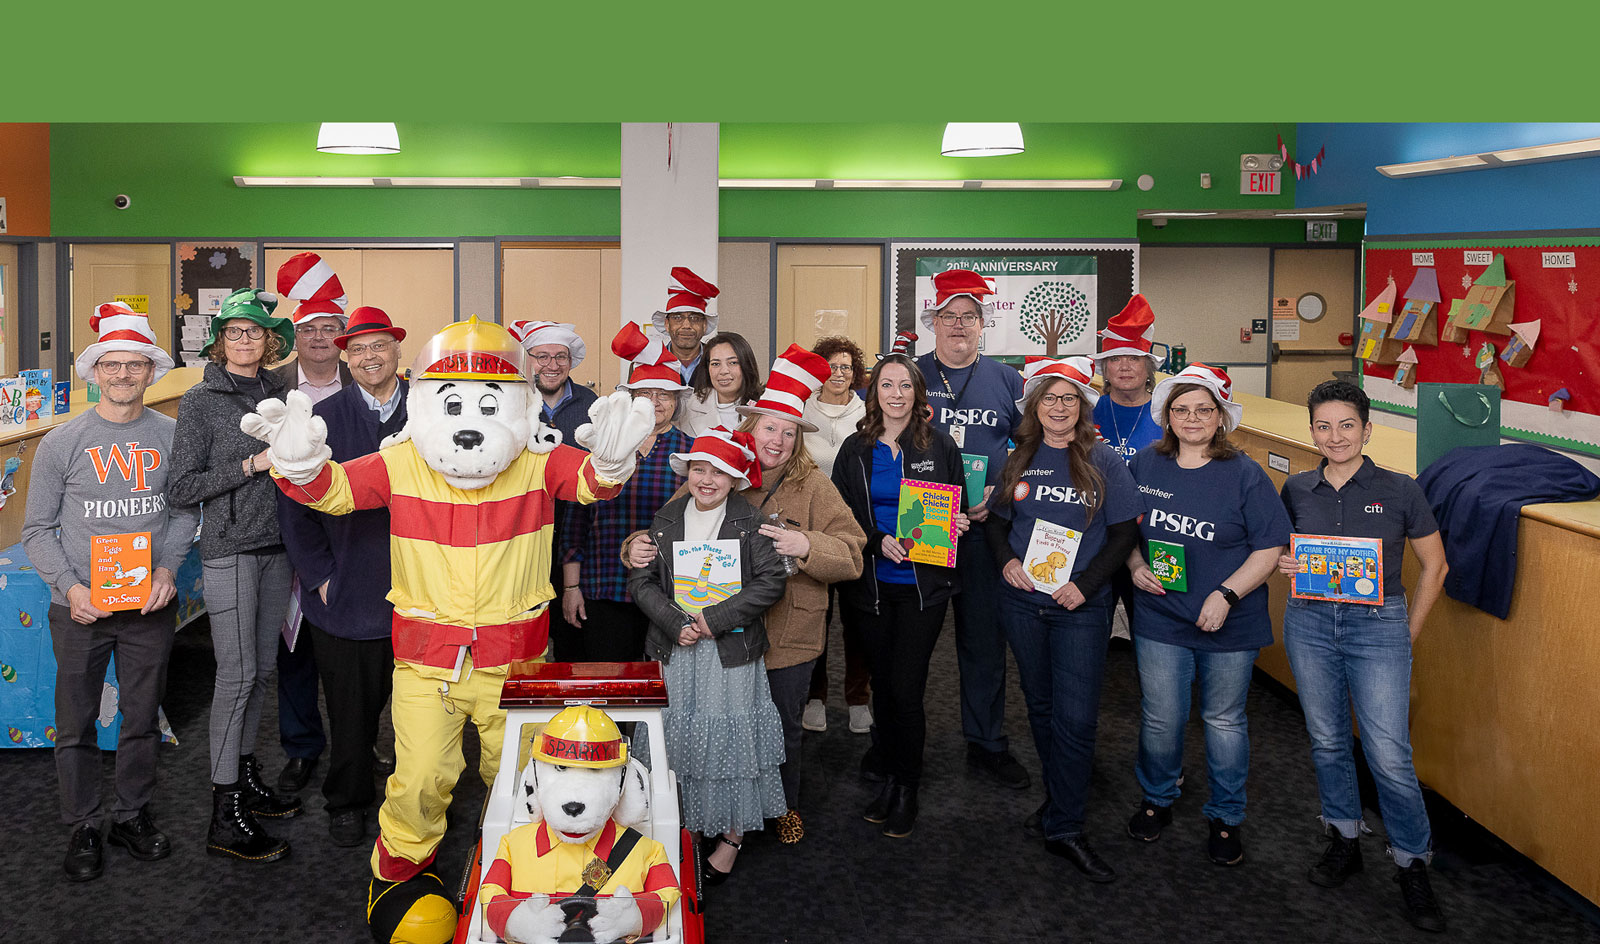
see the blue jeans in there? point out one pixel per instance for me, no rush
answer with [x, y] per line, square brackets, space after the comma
[1061, 660]
[1166, 675]
[1344, 652]
[980, 644]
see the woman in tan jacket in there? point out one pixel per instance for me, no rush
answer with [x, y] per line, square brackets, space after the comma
[807, 522]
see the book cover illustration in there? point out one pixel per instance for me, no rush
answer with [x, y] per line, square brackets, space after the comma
[705, 573]
[12, 408]
[63, 401]
[976, 472]
[38, 394]
[1168, 564]
[926, 525]
[119, 570]
[1338, 569]
[1052, 550]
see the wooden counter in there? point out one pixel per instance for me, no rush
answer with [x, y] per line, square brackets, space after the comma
[161, 396]
[1502, 711]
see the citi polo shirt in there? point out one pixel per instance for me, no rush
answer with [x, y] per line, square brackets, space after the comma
[1375, 503]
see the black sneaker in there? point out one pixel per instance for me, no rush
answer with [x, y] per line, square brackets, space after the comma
[1422, 909]
[347, 827]
[1146, 824]
[998, 764]
[141, 838]
[1225, 847]
[1076, 849]
[85, 854]
[1339, 861]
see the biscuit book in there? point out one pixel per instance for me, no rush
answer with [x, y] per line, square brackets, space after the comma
[1337, 569]
[119, 571]
[926, 525]
[705, 573]
[1052, 550]
[1168, 564]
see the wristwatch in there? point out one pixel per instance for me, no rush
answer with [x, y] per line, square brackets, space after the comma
[1229, 595]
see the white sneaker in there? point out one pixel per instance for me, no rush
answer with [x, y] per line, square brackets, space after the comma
[860, 719]
[816, 716]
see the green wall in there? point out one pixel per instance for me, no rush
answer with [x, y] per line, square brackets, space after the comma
[180, 177]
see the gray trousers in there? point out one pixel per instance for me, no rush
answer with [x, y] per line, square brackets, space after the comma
[790, 688]
[247, 597]
[142, 645]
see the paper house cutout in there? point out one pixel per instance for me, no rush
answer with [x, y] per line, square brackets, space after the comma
[1558, 400]
[1520, 348]
[1405, 369]
[1374, 346]
[1489, 302]
[1485, 362]
[1416, 319]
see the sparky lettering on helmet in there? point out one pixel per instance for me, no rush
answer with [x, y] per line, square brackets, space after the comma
[472, 362]
[586, 751]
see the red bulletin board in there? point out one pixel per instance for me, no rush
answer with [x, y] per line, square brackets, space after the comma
[1566, 302]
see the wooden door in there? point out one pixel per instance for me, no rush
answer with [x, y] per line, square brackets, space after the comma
[102, 271]
[579, 284]
[830, 290]
[1309, 351]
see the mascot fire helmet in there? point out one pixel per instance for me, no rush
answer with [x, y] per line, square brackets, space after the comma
[581, 736]
[472, 350]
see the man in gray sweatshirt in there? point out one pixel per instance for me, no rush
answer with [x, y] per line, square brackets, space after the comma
[105, 472]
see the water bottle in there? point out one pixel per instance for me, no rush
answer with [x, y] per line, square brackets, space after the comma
[790, 567]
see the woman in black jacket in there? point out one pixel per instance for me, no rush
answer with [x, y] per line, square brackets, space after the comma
[896, 606]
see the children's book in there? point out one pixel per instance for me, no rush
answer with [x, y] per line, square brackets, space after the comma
[38, 395]
[1052, 550]
[12, 407]
[705, 573]
[1338, 569]
[976, 471]
[1168, 564]
[926, 525]
[63, 401]
[119, 570]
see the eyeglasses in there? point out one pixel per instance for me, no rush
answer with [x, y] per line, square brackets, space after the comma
[841, 369]
[376, 347]
[317, 331]
[1199, 412]
[679, 317]
[966, 321]
[658, 396]
[1066, 399]
[131, 368]
[253, 332]
[545, 360]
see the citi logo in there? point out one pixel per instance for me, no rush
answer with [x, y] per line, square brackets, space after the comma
[1376, 508]
[1183, 524]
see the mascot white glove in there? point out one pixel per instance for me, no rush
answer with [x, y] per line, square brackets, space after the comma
[297, 441]
[618, 918]
[536, 921]
[617, 425]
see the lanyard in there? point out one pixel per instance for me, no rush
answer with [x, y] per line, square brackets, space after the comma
[774, 489]
[972, 369]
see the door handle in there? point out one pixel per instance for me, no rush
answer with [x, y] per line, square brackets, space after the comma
[1274, 351]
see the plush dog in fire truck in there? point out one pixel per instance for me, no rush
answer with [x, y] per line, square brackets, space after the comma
[578, 865]
[470, 484]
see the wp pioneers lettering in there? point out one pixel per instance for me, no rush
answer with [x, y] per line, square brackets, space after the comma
[137, 463]
[125, 507]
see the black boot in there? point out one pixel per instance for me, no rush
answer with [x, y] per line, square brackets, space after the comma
[1339, 861]
[878, 810]
[234, 831]
[1422, 909]
[260, 800]
[902, 811]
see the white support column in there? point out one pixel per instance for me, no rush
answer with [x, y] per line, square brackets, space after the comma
[669, 211]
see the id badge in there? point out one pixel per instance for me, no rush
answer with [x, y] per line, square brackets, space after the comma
[958, 432]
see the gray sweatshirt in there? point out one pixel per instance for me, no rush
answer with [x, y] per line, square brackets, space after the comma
[92, 476]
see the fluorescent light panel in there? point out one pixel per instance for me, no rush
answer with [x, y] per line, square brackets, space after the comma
[1532, 154]
[581, 183]
[1560, 151]
[1183, 214]
[1307, 215]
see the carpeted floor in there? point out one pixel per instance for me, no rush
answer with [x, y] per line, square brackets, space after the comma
[967, 873]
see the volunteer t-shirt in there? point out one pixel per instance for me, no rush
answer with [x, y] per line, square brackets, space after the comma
[980, 399]
[1127, 428]
[1220, 513]
[1046, 491]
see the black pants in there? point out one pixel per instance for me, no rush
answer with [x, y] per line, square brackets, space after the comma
[899, 640]
[357, 677]
[142, 645]
[857, 688]
[789, 686]
[299, 719]
[1122, 590]
[613, 632]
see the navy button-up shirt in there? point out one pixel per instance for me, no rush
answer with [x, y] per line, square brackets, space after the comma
[1375, 503]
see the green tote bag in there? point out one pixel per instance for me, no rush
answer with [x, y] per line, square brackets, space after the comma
[1451, 415]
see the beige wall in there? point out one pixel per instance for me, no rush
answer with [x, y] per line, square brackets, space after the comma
[744, 271]
[475, 264]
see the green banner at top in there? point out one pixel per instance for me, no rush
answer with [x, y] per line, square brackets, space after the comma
[998, 265]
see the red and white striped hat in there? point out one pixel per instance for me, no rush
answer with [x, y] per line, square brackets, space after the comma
[795, 376]
[732, 452]
[904, 342]
[954, 283]
[121, 329]
[654, 365]
[688, 292]
[1130, 333]
[531, 334]
[1214, 379]
[1040, 371]
[309, 280]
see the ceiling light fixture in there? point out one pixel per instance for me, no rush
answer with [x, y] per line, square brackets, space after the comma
[358, 137]
[731, 183]
[981, 139]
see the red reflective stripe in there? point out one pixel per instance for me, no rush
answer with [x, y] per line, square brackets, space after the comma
[651, 910]
[499, 909]
[369, 480]
[659, 877]
[454, 525]
[310, 492]
[393, 868]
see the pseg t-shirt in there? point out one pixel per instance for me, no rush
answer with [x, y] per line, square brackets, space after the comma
[1220, 513]
[1046, 491]
[981, 398]
[1128, 429]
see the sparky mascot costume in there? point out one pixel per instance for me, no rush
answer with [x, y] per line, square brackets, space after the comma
[578, 865]
[470, 484]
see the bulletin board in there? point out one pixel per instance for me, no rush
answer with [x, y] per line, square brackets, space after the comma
[1557, 283]
[1050, 298]
[207, 273]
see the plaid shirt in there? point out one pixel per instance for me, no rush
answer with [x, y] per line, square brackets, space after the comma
[593, 534]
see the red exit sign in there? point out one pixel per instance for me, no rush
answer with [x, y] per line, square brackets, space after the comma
[1264, 182]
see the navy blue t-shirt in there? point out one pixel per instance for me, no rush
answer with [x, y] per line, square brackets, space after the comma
[1374, 503]
[887, 471]
[982, 397]
[1220, 513]
[1127, 428]
[1046, 491]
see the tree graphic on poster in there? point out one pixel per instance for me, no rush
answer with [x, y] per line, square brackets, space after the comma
[1053, 312]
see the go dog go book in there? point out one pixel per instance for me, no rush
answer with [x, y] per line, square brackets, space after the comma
[926, 523]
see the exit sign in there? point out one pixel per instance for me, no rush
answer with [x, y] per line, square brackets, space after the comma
[1322, 231]
[1260, 181]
